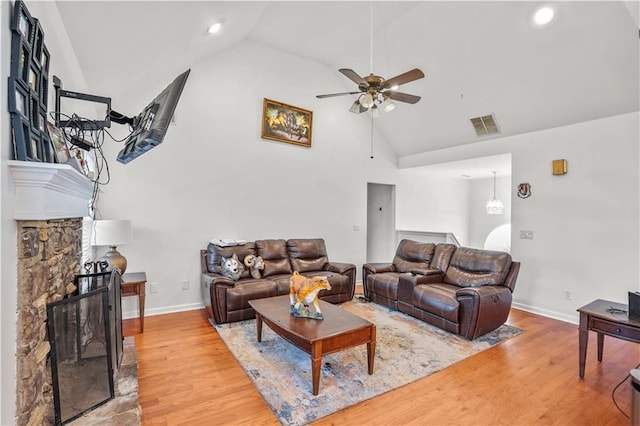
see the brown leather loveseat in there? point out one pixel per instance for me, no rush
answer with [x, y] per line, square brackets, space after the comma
[228, 301]
[459, 289]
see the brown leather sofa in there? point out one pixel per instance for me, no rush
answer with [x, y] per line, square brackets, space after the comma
[459, 289]
[228, 301]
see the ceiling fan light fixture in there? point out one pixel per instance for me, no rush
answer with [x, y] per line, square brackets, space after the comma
[355, 108]
[388, 105]
[367, 101]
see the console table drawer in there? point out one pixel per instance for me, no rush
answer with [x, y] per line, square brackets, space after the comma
[618, 330]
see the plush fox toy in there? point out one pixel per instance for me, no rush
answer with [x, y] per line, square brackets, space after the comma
[303, 290]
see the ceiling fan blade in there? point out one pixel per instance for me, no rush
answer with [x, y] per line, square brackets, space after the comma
[336, 94]
[403, 78]
[353, 76]
[402, 97]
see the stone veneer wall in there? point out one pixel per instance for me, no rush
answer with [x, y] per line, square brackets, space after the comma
[49, 254]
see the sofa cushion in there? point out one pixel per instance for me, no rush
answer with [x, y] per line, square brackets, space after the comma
[307, 254]
[474, 267]
[385, 285]
[216, 253]
[243, 291]
[437, 299]
[413, 255]
[274, 254]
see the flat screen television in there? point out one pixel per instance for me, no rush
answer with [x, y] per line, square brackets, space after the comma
[150, 126]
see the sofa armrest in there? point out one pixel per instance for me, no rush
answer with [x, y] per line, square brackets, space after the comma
[378, 268]
[408, 282]
[347, 269]
[374, 268]
[214, 288]
[483, 309]
[427, 271]
[339, 268]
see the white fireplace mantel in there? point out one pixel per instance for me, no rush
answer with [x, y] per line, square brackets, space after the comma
[46, 191]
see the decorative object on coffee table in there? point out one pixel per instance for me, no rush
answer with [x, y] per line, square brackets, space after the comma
[112, 233]
[303, 291]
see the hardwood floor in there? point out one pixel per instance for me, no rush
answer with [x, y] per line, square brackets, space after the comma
[187, 376]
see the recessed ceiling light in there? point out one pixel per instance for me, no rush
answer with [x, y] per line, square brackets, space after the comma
[543, 16]
[215, 28]
[394, 87]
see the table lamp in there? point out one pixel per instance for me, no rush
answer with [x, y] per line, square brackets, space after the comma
[112, 233]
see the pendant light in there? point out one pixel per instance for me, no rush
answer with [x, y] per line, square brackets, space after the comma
[494, 206]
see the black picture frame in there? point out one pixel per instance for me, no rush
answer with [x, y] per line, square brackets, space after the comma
[34, 109]
[20, 134]
[34, 78]
[34, 147]
[20, 59]
[47, 148]
[44, 91]
[19, 100]
[38, 43]
[46, 59]
[22, 21]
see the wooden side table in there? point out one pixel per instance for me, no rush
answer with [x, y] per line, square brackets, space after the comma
[605, 318]
[133, 283]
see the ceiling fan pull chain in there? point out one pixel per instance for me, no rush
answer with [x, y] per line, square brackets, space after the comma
[371, 137]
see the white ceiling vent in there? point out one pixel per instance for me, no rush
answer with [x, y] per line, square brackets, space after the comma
[485, 125]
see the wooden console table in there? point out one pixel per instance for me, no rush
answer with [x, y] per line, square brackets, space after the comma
[605, 318]
[133, 283]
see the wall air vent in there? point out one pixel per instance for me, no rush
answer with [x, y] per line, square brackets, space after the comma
[485, 125]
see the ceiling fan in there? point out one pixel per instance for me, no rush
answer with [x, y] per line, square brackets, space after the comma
[376, 92]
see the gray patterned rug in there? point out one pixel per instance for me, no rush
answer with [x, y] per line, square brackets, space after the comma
[407, 349]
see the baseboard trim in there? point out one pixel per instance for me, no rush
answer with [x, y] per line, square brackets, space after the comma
[164, 310]
[547, 313]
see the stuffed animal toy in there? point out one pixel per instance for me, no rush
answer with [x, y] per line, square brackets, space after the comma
[304, 291]
[255, 265]
[231, 267]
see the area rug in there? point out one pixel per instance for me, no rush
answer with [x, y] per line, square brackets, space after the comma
[407, 349]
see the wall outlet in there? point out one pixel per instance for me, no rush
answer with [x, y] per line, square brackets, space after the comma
[568, 294]
[153, 287]
[185, 284]
[526, 235]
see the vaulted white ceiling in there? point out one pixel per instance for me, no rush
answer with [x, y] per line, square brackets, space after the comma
[479, 57]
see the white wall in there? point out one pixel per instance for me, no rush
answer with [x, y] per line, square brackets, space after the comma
[426, 202]
[214, 177]
[585, 223]
[65, 65]
[481, 223]
[8, 237]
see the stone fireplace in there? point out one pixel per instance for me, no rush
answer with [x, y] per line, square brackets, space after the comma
[50, 201]
[49, 253]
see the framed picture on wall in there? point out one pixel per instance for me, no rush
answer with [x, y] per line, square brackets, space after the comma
[22, 22]
[286, 123]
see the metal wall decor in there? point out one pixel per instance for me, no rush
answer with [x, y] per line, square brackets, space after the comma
[28, 84]
[524, 190]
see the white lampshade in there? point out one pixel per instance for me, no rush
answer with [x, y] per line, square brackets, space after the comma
[111, 233]
[367, 101]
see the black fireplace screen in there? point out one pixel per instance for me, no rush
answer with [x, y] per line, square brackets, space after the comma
[85, 333]
[80, 353]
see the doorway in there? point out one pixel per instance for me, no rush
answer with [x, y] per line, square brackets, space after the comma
[381, 218]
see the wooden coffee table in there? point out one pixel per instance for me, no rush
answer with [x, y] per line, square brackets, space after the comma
[337, 331]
